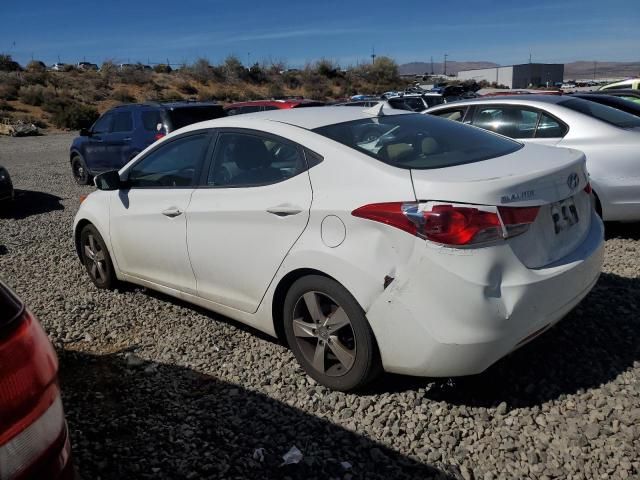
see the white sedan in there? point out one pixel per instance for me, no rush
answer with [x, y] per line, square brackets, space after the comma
[610, 138]
[369, 240]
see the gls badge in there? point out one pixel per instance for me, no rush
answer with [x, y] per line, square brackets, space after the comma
[517, 197]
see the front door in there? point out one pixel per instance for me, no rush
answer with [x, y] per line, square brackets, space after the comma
[148, 219]
[242, 224]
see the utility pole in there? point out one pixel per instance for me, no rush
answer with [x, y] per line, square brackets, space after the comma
[432, 65]
[595, 67]
[373, 55]
[529, 57]
[445, 64]
[248, 59]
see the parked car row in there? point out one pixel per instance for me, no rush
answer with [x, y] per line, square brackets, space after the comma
[368, 239]
[608, 136]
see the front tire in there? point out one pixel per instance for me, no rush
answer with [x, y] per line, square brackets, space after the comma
[80, 171]
[329, 334]
[96, 259]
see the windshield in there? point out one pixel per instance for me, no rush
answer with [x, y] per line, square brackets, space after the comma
[607, 114]
[419, 141]
[183, 116]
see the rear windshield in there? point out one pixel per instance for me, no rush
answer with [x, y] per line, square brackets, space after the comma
[183, 116]
[419, 141]
[611, 115]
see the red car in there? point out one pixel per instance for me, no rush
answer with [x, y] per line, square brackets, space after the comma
[34, 442]
[263, 105]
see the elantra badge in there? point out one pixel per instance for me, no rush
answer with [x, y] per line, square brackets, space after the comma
[573, 181]
[518, 197]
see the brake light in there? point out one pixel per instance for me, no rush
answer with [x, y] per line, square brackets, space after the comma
[452, 224]
[159, 135]
[588, 188]
[31, 416]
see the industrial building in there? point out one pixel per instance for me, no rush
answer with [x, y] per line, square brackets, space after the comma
[518, 76]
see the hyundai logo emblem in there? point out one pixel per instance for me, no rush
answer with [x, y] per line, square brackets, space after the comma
[573, 181]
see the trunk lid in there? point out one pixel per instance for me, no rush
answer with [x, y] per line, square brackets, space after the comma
[552, 178]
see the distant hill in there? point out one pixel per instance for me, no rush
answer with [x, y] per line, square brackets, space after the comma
[573, 70]
[438, 68]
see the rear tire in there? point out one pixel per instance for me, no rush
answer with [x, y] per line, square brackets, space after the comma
[96, 259]
[80, 171]
[330, 335]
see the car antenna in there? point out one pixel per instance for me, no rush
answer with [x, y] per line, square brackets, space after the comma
[375, 111]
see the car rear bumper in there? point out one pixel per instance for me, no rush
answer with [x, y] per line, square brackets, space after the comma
[456, 312]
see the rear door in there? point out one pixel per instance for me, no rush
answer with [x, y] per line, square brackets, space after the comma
[251, 210]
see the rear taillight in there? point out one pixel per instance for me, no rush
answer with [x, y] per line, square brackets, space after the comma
[159, 135]
[31, 417]
[587, 188]
[454, 225]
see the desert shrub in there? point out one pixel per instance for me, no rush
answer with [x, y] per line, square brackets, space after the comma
[74, 116]
[275, 90]
[206, 95]
[7, 64]
[123, 95]
[186, 88]
[134, 76]
[32, 94]
[257, 74]
[36, 77]
[327, 68]
[233, 69]
[162, 68]
[9, 86]
[6, 107]
[200, 70]
[36, 66]
[170, 96]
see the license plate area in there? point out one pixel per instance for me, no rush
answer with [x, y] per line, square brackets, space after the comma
[564, 215]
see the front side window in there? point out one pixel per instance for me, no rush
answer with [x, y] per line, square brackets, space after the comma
[243, 160]
[418, 141]
[122, 122]
[514, 122]
[456, 114]
[173, 164]
[103, 124]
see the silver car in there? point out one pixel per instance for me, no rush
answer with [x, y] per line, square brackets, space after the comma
[609, 137]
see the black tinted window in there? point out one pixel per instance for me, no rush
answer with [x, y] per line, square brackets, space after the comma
[122, 122]
[607, 114]
[173, 164]
[246, 160]
[150, 120]
[103, 124]
[418, 141]
[433, 100]
[183, 116]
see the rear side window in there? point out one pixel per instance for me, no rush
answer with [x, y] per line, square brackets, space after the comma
[151, 119]
[418, 141]
[183, 116]
[122, 122]
[514, 122]
[610, 115]
[549, 127]
[244, 160]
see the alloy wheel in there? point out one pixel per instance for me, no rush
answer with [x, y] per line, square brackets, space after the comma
[324, 334]
[95, 259]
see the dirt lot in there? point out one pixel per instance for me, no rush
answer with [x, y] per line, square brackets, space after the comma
[154, 388]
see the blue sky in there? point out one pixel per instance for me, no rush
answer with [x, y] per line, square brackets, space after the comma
[300, 31]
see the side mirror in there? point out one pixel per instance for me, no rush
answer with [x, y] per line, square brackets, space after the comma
[85, 132]
[108, 181]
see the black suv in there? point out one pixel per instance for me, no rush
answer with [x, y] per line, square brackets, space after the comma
[124, 131]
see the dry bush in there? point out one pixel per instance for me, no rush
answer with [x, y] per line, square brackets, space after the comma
[9, 86]
[32, 94]
[186, 88]
[6, 107]
[134, 76]
[122, 95]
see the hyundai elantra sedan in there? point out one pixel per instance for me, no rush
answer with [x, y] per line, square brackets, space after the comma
[368, 240]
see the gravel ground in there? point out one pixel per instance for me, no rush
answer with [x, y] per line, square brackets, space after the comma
[154, 388]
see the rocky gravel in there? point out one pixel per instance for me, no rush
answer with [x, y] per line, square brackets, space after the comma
[154, 388]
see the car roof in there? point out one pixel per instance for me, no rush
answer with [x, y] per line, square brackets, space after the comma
[516, 99]
[283, 103]
[307, 118]
[167, 105]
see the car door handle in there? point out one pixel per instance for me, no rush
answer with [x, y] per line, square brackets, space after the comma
[284, 210]
[172, 212]
[126, 139]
